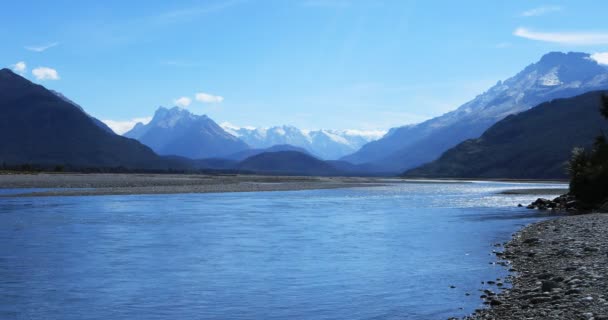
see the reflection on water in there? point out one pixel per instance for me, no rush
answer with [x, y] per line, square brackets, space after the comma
[368, 253]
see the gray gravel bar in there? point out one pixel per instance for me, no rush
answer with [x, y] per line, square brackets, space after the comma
[77, 184]
[561, 271]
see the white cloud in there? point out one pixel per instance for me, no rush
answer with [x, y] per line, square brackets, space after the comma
[19, 67]
[564, 38]
[182, 102]
[369, 134]
[41, 48]
[230, 126]
[45, 73]
[208, 98]
[122, 126]
[503, 45]
[540, 11]
[600, 57]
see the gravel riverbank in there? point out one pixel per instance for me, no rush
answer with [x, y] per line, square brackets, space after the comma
[77, 184]
[561, 271]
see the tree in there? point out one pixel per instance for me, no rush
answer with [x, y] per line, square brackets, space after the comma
[604, 107]
[589, 170]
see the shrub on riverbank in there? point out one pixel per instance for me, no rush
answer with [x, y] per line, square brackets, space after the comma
[589, 170]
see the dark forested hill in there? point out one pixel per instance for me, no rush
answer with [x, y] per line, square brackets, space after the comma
[532, 144]
[39, 127]
[287, 162]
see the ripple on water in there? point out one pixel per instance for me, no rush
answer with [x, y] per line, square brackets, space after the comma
[364, 253]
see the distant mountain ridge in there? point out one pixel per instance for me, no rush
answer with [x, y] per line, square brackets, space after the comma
[534, 144]
[287, 163]
[325, 144]
[177, 131]
[556, 75]
[242, 155]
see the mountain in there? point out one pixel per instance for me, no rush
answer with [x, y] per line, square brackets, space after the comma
[532, 144]
[178, 132]
[97, 122]
[41, 128]
[242, 155]
[287, 163]
[326, 144]
[556, 75]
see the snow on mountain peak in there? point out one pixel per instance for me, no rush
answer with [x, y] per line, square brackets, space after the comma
[325, 143]
[550, 79]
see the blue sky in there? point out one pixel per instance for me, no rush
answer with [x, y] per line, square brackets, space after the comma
[338, 64]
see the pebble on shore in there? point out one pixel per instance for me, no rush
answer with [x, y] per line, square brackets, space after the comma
[561, 272]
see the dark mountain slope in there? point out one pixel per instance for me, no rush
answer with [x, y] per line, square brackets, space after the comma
[38, 127]
[287, 163]
[532, 144]
[242, 155]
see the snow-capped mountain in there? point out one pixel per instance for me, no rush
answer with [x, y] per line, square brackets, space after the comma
[556, 75]
[325, 144]
[176, 131]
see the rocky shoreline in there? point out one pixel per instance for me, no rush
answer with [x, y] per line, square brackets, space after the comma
[561, 272]
[563, 203]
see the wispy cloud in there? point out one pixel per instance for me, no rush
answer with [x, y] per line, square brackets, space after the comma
[122, 126]
[539, 11]
[564, 38]
[208, 98]
[193, 12]
[45, 73]
[182, 102]
[503, 45]
[19, 67]
[600, 57]
[41, 48]
[326, 3]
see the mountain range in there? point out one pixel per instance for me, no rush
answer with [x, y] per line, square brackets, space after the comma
[325, 144]
[44, 129]
[534, 144]
[556, 75]
[177, 131]
[500, 133]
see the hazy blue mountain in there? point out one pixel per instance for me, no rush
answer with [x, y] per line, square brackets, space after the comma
[287, 163]
[556, 75]
[325, 144]
[242, 155]
[41, 128]
[532, 144]
[178, 132]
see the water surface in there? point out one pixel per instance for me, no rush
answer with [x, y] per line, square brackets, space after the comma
[366, 253]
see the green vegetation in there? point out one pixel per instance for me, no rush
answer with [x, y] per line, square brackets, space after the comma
[589, 169]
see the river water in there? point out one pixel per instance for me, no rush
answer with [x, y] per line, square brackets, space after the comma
[388, 252]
